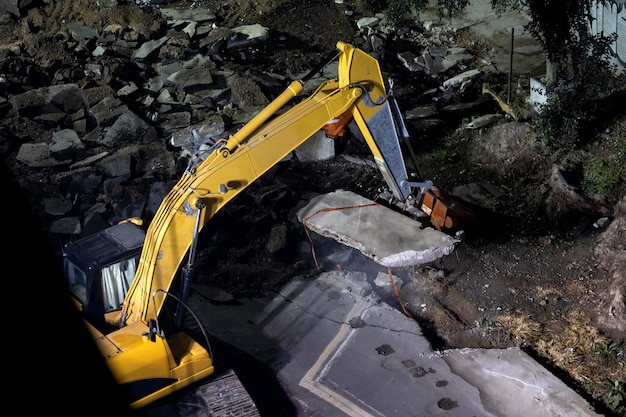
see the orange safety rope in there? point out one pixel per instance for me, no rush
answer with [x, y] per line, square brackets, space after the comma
[306, 219]
[393, 283]
[397, 293]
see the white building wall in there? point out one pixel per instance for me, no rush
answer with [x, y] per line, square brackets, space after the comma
[611, 18]
[608, 18]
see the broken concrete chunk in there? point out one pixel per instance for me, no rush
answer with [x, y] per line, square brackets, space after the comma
[148, 48]
[64, 143]
[66, 225]
[484, 120]
[57, 206]
[367, 22]
[35, 155]
[247, 35]
[317, 148]
[388, 237]
[461, 78]
[187, 15]
[192, 137]
[80, 32]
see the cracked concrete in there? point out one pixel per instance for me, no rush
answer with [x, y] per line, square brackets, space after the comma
[389, 238]
[338, 350]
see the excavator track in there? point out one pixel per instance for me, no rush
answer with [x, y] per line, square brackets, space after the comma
[222, 395]
[225, 396]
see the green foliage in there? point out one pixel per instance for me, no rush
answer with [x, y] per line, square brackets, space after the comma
[584, 74]
[601, 175]
[561, 118]
[448, 8]
[613, 392]
[614, 396]
[441, 155]
[571, 108]
[611, 352]
[582, 69]
[398, 9]
[559, 26]
[446, 154]
[503, 6]
[605, 171]
[620, 147]
[518, 104]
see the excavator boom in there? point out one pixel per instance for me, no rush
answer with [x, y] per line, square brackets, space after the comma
[238, 161]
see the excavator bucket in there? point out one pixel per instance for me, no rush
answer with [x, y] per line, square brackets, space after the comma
[444, 210]
[388, 237]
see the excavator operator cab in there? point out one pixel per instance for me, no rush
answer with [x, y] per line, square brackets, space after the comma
[100, 268]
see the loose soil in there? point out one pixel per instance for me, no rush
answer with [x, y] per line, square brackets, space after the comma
[518, 278]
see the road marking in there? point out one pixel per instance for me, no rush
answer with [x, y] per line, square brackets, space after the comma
[309, 381]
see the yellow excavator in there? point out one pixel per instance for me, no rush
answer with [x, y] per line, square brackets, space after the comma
[122, 278]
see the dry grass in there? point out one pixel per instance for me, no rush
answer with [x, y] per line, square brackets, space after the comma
[521, 328]
[575, 288]
[572, 350]
[543, 292]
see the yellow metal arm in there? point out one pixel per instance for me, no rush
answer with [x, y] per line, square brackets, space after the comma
[247, 155]
[290, 92]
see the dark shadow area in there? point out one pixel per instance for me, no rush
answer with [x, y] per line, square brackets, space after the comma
[258, 379]
[429, 329]
[48, 333]
[60, 350]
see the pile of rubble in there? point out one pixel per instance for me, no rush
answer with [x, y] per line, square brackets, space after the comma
[110, 122]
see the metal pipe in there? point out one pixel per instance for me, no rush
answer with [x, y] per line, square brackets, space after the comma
[508, 96]
[188, 270]
[290, 92]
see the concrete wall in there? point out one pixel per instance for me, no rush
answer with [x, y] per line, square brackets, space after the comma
[611, 18]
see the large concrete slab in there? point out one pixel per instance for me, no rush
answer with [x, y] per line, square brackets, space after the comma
[337, 350]
[386, 236]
